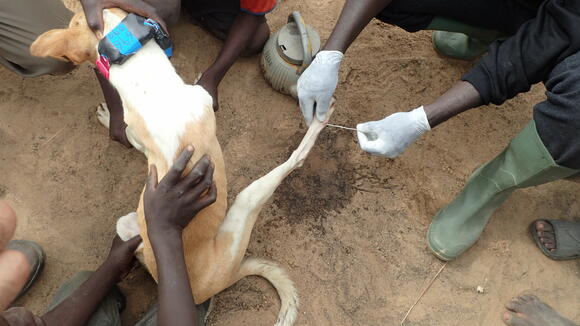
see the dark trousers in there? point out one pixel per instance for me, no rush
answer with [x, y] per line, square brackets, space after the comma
[502, 15]
[107, 314]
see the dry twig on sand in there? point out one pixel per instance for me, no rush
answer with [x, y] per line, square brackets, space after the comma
[423, 293]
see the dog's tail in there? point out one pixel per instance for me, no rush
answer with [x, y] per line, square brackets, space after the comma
[281, 282]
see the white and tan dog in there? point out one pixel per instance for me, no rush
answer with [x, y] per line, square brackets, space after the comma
[163, 115]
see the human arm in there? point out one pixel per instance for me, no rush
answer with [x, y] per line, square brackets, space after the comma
[169, 207]
[514, 65]
[78, 308]
[355, 16]
[394, 134]
[318, 82]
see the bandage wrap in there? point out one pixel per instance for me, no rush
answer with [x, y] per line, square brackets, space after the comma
[129, 37]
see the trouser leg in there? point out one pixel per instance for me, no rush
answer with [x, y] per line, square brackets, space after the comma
[558, 117]
[107, 314]
[21, 22]
[505, 16]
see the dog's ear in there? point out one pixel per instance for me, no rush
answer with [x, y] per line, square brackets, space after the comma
[75, 44]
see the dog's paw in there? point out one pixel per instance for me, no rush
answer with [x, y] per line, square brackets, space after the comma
[197, 78]
[127, 226]
[103, 114]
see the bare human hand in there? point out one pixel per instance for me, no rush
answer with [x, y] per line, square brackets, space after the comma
[122, 254]
[94, 12]
[173, 202]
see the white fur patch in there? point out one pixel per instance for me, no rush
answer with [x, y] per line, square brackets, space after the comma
[148, 83]
[128, 227]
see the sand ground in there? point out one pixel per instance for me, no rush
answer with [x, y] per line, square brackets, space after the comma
[349, 228]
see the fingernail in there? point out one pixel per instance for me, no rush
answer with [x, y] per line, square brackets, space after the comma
[99, 34]
[190, 148]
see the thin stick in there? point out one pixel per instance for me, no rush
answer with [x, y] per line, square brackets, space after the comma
[53, 136]
[340, 127]
[423, 293]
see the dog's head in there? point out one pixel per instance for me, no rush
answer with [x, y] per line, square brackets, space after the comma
[77, 43]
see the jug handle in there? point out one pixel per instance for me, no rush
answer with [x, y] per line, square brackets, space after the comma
[306, 46]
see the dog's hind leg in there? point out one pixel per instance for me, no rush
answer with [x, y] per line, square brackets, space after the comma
[242, 215]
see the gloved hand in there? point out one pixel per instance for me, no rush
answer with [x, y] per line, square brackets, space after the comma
[317, 84]
[391, 136]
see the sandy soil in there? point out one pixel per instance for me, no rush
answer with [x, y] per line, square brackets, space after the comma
[349, 228]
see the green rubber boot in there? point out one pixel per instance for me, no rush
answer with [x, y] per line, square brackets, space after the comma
[525, 162]
[459, 40]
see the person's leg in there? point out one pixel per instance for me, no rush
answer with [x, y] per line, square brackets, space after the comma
[149, 318]
[7, 223]
[108, 313]
[528, 310]
[20, 261]
[545, 150]
[14, 267]
[464, 29]
[20, 23]
[243, 35]
[14, 271]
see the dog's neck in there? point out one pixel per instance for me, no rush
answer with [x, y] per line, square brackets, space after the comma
[148, 72]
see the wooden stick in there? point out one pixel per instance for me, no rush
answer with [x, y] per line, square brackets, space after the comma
[423, 293]
[53, 136]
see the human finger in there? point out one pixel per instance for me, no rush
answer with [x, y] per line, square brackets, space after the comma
[174, 174]
[307, 108]
[196, 174]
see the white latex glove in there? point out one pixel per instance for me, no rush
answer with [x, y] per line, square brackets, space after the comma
[391, 136]
[317, 84]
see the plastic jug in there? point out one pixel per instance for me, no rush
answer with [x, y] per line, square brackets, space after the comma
[288, 52]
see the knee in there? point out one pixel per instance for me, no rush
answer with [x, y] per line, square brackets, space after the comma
[558, 118]
[258, 41]
[170, 14]
[7, 223]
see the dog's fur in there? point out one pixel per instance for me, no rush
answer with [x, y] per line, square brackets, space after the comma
[164, 115]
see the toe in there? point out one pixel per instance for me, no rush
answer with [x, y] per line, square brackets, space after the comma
[515, 304]
[511, 319]
[544, 226]
[544, 234]
[529, 298]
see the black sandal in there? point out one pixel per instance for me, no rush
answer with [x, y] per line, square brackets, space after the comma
[566, 236]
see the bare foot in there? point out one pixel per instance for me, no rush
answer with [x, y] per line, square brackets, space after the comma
[528, 310]
[546, 234]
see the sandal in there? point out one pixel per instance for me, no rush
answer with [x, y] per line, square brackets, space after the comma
[566, 236]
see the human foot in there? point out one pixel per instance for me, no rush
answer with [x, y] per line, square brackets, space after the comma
[528, 310]
[558, 239]
[207, 81]
[35, 257]
[546, 233]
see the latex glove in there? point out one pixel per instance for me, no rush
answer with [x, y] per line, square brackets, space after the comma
[317, 84]
[391, 136]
